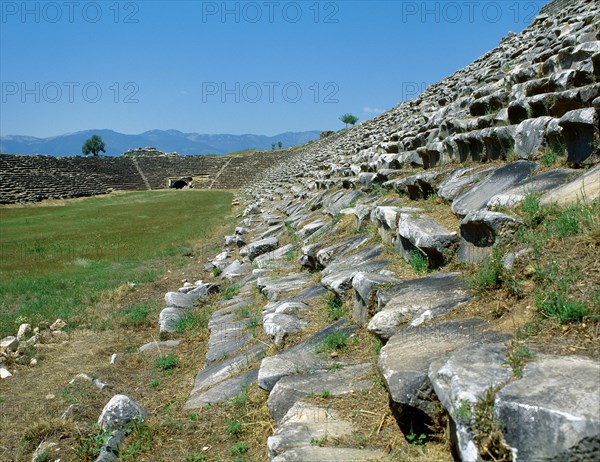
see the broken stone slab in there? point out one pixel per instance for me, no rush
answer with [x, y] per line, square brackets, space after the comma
[203, 290]
[460, 380]
[585, 187]
[535, 184]
[460, 179]
[327, 254]
[338, 276]
[278, 325]
[292, 388]
[530, 136]
[235, 270]
[423, 234]
[223, 391]
[552, 408]
[119, 412]
[312, 292]
[319, 454]
[586, 450]
[303, 424]
[503, 178]
[386, 218]
[273, 232]
[273, 287]
[365, 285]
[180, 300]
[342, 202]
[581, 134]
[419, 186]
[417, 300]
[480, 231]
[256, 248]
[159, 345]
[169, 318]
[288, 306]
[218, 372]
[265, 259]
[405, 359]
[10, 343]
[300, 358]
[226, 338]
[235, 240]
[311, 228]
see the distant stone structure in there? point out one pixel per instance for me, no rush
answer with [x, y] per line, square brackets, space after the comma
[148, 152]
[27, 178]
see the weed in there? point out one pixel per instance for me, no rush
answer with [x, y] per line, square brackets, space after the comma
[253, 322]
[166, 363]
[552, 299]
[241, 399]
[335, 307]
[516, 358]
[527, 330]
[139, 440]
[231, 291]
[319, 441]
[486, 430]
[154, 383]
[193, 417]
[194, 321]
[289, 255]
[217, 271]
[196, 458]
[415, 440]
[234, 427]
[488, 276]
[333, 342]
[376, 345]
[239, 448]
[534, 212]
[43, 456]
[462, 413]
[418, 261]
[325, 394]
[555, 304]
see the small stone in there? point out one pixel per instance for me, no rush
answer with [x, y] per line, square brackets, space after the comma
[4, 374]
[57, 325]
[333, 354]
[24, 329]
[33, 362]
[9, 344]
[114, 358]
[50, 396]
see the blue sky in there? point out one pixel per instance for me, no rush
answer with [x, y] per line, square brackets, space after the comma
[262, 67]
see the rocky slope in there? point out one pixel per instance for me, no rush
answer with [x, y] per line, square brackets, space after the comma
[509, 117]
[341, 223]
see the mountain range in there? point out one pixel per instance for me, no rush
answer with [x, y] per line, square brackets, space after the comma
[164, 140]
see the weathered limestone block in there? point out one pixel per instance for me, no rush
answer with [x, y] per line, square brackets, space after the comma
[552, 408]
[422, 234]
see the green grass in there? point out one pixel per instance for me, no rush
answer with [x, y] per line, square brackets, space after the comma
[166, 363]
[333, 342]
[418, 262]
[335, 307]
[56, 260]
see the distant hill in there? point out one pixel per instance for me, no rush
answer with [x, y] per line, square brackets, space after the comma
[164, 140]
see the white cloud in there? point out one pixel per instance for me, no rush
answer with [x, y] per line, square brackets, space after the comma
[373, 110]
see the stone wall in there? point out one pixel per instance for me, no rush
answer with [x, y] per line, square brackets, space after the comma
[34, 178]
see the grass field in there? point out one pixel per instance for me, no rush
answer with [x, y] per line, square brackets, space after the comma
[57, 259]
